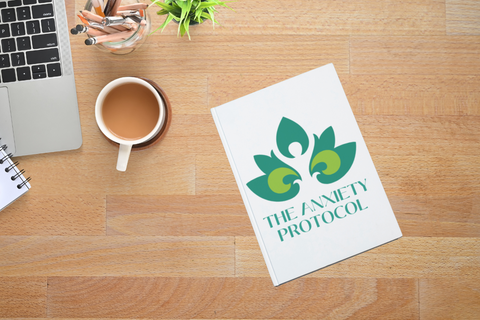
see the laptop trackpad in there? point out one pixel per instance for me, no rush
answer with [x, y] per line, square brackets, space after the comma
[6, 127]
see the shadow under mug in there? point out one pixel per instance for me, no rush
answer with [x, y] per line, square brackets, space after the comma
[126, 144]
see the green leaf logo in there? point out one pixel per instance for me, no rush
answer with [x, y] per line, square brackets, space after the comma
[331, 163]
[280, 181]
[289, 132]
[277, 183]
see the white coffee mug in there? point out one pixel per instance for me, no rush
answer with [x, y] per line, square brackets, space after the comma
[127, 144]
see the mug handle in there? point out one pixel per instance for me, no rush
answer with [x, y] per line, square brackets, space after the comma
[123, 156]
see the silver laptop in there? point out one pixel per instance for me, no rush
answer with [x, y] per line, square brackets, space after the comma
[38, 100]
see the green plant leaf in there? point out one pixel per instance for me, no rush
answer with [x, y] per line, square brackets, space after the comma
[153, 2]
[197, 15]
[181, 28]
[211, 13]
[164, 6]
[206, 16]
[183, 5]
[207, 4]
[187, 10]
[167, 21]
[187, 24]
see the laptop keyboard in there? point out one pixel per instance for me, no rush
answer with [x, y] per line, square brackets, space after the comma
[28, 41]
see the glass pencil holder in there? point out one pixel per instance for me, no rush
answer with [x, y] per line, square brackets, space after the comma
[137, 29]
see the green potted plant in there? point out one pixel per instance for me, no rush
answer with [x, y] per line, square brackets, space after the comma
[188, 12]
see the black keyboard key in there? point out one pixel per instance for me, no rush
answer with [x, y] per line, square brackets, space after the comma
[18, 29]
[8, 15]
[38, 68]
[43, 56]
[42, 11]
[44, 1]
[4, 31]
[24, 74]
[14, 3]
[26, 2]
[8, 45]
[4, 61]
[18, 59]
[39, 71]
[23, 43]
[39, 75]
[33, 27]
[48, 25]
[44, 41]
[23, 13]
[3, 4]
[54, 70]
[8, 75]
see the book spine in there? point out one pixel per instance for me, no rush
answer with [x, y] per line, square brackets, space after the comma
[244, 198]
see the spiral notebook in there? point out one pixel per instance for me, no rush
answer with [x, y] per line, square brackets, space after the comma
[13, 184]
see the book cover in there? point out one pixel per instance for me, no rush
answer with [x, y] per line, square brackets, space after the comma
[306, 177]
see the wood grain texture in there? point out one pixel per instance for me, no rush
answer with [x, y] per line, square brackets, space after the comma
[273, 17]
[170, 237]
[419, 215]
[115, 256]
[449, 298]
[223, 53]
[435, 55]
[177, 216]
[23, 297]
[463, 17]
[174, 175]
[408, 257]
[231, 298]
[392, 94]
[60, 215]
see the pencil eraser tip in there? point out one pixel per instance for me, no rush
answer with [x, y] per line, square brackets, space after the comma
[89, 42]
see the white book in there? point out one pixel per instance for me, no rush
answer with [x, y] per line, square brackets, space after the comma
[306, 177]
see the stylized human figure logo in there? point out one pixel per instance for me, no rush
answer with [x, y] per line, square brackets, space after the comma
[280, 181]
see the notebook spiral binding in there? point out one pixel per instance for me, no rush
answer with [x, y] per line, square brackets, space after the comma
[10, 167]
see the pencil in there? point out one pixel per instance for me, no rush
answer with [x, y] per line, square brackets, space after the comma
[91, 16]
[134, 6]
[96, 18]
[98, 8]
[114, 21]
[115, 7]
[90, 31]
[98, 26]
[109, 38]
[111, 7]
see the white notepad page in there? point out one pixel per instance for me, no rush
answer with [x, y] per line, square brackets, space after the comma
[10, 190]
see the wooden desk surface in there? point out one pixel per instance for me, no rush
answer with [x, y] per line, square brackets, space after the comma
[170, 238]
